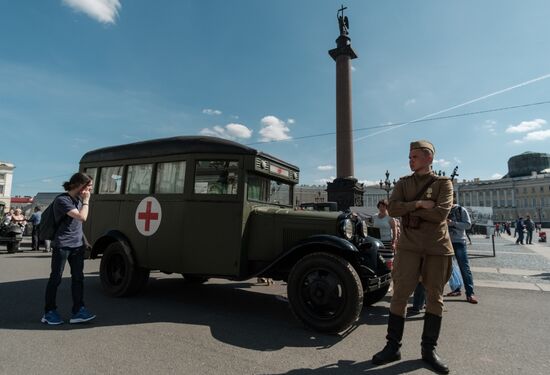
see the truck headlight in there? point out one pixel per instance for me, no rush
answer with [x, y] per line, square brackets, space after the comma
[347, 229]
[362, 228]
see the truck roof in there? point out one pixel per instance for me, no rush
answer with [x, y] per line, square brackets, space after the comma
[173, 146]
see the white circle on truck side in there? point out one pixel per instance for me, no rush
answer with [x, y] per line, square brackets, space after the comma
[148, 216]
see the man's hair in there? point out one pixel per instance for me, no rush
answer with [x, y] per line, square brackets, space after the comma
[382, 201]
[77, 179]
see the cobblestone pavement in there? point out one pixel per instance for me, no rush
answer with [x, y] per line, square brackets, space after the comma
[513, 266]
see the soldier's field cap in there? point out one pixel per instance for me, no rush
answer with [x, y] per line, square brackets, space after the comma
[422, 144]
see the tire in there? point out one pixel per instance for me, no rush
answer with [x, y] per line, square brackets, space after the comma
[194, 279]
[118, 273]
[12, 247]
[373, 297]
[325, 292]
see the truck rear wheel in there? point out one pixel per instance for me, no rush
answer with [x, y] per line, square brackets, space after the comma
[325, 292]
[118, 272]
[12, 247]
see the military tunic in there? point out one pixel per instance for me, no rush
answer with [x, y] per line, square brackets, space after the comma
[432, 237]
[426, 250]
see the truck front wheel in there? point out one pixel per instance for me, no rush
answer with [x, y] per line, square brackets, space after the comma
[325, 292]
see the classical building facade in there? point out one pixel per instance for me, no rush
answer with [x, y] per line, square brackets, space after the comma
[6, 178]
[525, 190]
[318, 194]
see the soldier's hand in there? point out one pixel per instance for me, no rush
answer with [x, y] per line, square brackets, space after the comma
[425, 204]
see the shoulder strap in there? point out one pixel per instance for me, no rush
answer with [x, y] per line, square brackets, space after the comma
[424, 188]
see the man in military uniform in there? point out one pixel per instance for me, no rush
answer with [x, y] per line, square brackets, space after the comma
[423, 201]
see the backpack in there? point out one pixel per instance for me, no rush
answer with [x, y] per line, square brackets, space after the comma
[48, 225]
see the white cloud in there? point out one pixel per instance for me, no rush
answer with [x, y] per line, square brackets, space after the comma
[370, 183]
[230, 131]
[325, 167]
[490, 126]
[273, 129]
[410, 102]
[442, 162]
[238, 131]
[211, 112]
[496, 176]
[290, 121]
[539, 135]
[353, 69]
[323, 181]
[104, 11]
[457, 160]
[526, 126]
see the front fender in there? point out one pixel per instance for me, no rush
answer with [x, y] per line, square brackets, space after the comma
[320, 242]
[106, 239]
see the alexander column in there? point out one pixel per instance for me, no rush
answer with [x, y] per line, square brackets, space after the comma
[345, 190]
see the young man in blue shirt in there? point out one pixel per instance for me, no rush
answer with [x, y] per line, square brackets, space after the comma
[70, 211]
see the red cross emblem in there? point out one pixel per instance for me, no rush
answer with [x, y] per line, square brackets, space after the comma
[148, 216]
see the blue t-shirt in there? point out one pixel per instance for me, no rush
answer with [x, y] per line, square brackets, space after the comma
[69, 232]
[35, 218]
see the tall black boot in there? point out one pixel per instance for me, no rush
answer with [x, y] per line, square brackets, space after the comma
[430, 334]
[391, 351]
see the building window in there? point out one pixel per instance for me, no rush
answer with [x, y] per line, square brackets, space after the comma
[1, 189]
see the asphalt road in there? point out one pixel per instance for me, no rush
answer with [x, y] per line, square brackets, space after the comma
[242, 328]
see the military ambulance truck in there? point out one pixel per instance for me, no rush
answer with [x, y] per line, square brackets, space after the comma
[211, 208]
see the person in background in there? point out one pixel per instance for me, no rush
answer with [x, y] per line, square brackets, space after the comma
[35, 221]
[458, 222]
[520, 226]
[388, 230]
[70, 210]
[19, 218]
[529, 227]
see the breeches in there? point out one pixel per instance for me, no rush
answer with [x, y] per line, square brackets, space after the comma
[407, 268]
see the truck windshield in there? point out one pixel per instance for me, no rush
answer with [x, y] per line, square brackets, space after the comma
[264, 189]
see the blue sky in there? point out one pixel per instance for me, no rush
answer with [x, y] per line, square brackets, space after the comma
[76, 75]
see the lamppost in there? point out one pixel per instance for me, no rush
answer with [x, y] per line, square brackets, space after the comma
[387, 184]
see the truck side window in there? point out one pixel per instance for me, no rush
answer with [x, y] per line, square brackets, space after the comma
[216, 177]
[138, 179]
[110, 180]
[170, 177]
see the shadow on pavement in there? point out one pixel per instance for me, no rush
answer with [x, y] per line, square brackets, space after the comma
[242, 317]
[351, 367]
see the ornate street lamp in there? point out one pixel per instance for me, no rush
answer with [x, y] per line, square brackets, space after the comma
[387, 184]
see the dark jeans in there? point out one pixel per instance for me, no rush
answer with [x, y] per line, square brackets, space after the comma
[419, 297]
[463, 263]
[60, 256]
[520, 237]
[34, 240]
[529, 239]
